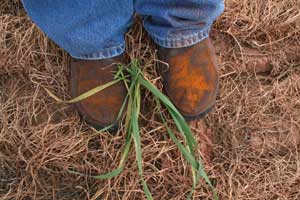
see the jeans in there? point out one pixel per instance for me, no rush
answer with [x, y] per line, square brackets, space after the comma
[95, 29]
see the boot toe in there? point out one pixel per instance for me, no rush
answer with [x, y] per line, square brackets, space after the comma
[191, 80]
[193, 106]
[101, 109]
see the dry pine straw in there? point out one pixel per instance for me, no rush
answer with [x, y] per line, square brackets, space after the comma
[256, 122]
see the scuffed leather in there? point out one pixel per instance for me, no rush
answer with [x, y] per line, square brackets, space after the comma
[191, 79]
[102, 108]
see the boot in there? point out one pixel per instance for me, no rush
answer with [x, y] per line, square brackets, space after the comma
[102, 108]
[191, 79]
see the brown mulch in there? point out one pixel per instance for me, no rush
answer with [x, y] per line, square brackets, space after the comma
[255, 125]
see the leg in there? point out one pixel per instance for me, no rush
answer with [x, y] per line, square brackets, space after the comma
[180, 28]
[86, 29]
[93, 32]
[177, 23]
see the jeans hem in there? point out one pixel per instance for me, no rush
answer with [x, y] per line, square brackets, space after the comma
[102, 54]
[182, 41]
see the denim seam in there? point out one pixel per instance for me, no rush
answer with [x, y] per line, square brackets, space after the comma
[102, 54]
[182, 41]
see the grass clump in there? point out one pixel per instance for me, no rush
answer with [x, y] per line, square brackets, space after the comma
[133, 79]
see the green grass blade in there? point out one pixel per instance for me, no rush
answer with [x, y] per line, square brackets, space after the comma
[85, 94]
[114, 172]
[133, 102]
[108, 175]
[137, 138]
[187, 154]
[182, 126]
[126, 150]
[147, 84]
[137, 142]
[197, 167]
[103, 129]
[201, 173]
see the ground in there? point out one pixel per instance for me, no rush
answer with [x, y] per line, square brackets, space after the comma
[255, 125]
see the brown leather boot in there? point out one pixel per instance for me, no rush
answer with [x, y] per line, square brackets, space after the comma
[191, 79]
[102, 108]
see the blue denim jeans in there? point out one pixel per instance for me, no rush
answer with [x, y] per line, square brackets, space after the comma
[95, 29]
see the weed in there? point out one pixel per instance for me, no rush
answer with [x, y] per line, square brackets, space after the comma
[133, 82]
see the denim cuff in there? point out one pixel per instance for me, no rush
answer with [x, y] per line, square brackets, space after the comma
[181, 40]
[102, 54]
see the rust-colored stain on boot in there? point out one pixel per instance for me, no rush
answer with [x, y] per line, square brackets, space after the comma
[191, 79]
[101, 109]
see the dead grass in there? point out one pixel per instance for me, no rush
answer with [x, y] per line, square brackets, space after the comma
[256, 123]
